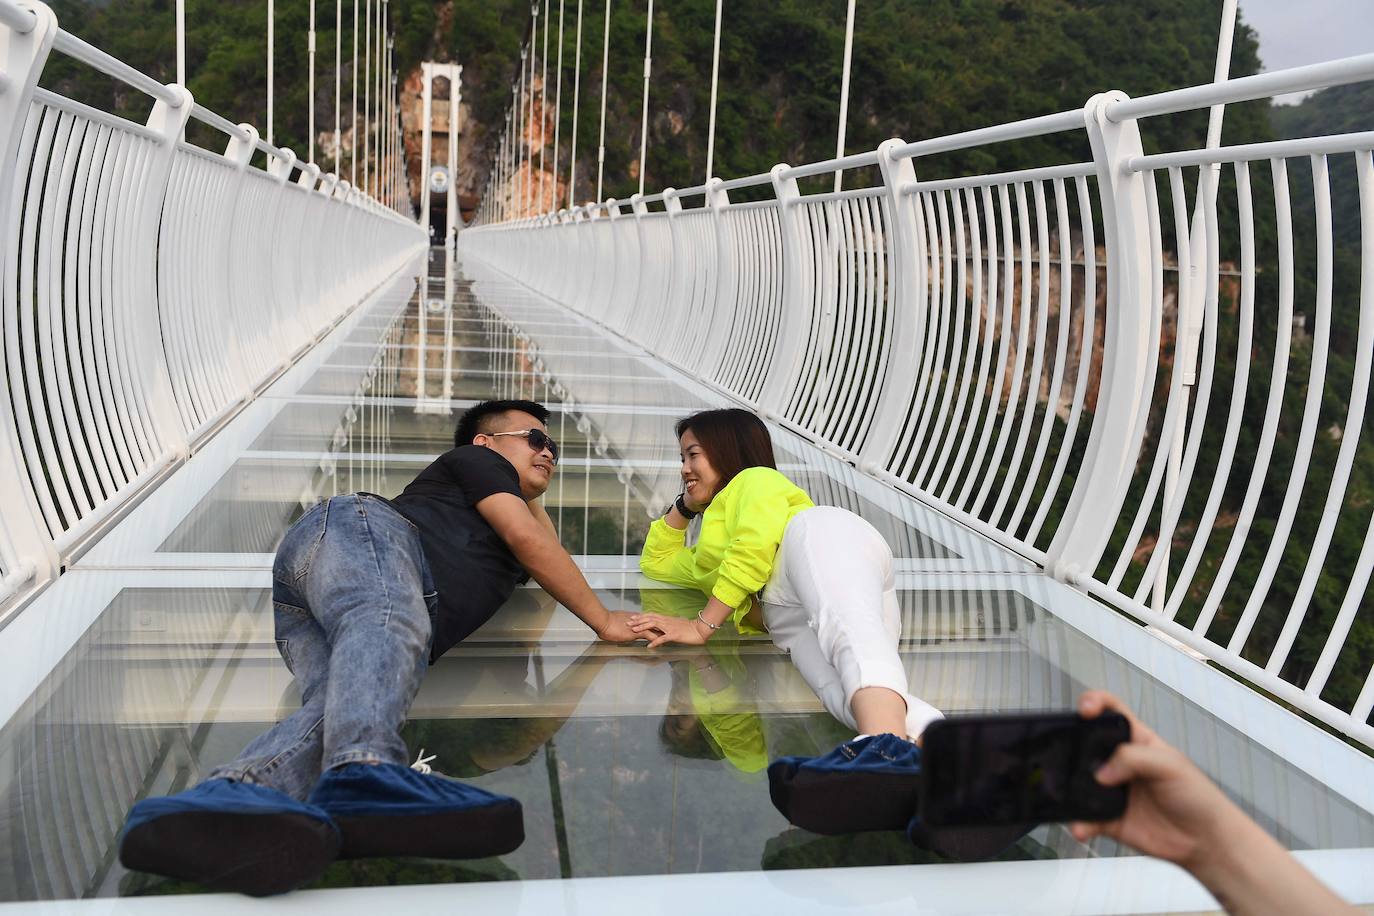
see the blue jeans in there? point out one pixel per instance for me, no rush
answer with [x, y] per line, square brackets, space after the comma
[352, 598]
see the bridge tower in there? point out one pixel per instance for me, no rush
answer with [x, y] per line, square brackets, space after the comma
[439, 188]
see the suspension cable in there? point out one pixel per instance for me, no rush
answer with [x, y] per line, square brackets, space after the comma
[644, 116]
[844, 91]
[512, 177]
[310, 87]
[525, 124]
[376, 114]
[338, 84]
[605, 56]
[577, 88]
[557, 108]
[393, 132]
[271, 87]
[380, 100]
[543, 107]
[715, 80]
[520, 137]
[367, 99]
[181, 43]
[353, 120]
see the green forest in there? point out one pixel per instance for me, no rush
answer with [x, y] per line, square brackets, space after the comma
[922, 68]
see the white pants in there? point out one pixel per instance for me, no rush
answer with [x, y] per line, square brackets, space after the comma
[831, 604]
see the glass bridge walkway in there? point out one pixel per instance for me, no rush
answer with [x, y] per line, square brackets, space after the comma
[153, 660]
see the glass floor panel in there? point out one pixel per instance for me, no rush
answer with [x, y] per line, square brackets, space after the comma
[619, 768]
[153, 661]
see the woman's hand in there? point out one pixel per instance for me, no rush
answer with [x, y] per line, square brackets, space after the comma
[660, 629]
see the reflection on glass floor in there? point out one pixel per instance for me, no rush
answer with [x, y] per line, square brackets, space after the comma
[156, 659]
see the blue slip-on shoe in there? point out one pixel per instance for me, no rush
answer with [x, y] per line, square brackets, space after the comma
[965, 843]
[870, 783]
[386, 809]
[230, 836]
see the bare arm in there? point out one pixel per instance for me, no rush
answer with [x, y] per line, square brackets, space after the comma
[542, 515]
[537, 549]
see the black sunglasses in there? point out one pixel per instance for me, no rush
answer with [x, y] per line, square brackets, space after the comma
[537, 439]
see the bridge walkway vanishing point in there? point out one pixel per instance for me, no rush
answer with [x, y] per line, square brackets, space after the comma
[153, 660]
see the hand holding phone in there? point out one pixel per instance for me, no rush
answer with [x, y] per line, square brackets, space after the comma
[1020, 769]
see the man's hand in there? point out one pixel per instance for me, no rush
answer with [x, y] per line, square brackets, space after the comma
[617, 628]
[660, 629]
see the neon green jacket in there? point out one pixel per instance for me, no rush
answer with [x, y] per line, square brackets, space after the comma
[740, 533]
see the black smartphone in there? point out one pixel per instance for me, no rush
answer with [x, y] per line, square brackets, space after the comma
[1019, 769]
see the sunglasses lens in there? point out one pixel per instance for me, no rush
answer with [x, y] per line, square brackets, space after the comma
[539, 442]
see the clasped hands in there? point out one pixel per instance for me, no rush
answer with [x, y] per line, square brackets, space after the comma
[660, 629]
[625, 626]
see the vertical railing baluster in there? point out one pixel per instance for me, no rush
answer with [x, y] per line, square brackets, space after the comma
[1100, 489]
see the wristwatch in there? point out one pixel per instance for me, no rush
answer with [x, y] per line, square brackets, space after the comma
[681, 505]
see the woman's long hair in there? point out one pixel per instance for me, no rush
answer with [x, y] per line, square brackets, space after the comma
[733, 439]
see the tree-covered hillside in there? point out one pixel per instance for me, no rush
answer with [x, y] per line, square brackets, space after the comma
[921, 68]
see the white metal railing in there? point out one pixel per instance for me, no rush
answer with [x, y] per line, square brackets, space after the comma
[148, 288]
[1036, 354]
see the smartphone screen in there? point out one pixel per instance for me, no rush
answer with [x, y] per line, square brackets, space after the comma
[1019, 769]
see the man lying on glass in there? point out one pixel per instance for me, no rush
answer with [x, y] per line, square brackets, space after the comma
[367, 592]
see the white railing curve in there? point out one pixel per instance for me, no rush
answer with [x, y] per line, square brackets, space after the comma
[148, 288]
[1059, 357]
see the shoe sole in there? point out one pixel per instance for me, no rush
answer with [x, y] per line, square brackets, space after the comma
[254, 854]
[476, 833]
[832, 804]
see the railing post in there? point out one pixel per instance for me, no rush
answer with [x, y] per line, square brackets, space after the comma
[607, 309]
[239, 153]
[328, 260]
[282, 262]
[279, 167]
[706, 354]
[629, 326]
[26, 547]
[308, 292]
[310, 176]
[664, 326]
[344, 194]
[562, 239]
[908, 302]
[1108, 462]
[578, 278]
[170, 122]
[787, 350]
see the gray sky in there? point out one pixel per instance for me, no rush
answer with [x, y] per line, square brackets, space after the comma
[1297, 32]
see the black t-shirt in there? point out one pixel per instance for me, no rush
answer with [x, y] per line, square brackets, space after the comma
[473, 569]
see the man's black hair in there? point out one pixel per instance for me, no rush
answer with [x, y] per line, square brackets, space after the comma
[481, 418]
